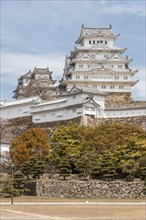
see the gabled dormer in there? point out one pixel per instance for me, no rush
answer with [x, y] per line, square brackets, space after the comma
[118, 57]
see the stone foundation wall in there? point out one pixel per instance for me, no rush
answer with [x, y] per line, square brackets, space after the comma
[135, 120]
[113, 100]
[17, 126]
[90, 189]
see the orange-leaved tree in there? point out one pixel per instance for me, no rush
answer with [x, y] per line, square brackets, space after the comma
[32, 143]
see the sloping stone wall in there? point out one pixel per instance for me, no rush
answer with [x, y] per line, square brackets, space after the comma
[15, 127]
[135, 120]
[90, 189]
[124, 99]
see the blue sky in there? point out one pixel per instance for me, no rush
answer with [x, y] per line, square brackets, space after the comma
[42, 33]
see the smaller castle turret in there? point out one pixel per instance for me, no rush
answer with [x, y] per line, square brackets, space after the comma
[34, 83]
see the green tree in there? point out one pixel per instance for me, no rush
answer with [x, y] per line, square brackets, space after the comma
[33, 168]
[67, 142]
[64, 168]
[108, 167]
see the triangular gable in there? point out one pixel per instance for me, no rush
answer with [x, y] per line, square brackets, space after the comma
[99, 35]
[100, 46]
[92, 102]
[86, 56]
[74, 89]
[116, 57]
[27, 74]
[103, 69]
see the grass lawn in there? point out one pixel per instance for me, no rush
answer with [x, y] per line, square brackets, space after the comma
[46, 199]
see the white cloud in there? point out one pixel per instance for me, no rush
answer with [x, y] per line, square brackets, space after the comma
[122, 8]
[13, 65]
[139, 90]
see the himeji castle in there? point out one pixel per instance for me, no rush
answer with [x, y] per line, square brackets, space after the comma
[97, 82]
[98, 63]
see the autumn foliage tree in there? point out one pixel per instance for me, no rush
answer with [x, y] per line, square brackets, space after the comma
[32, 143]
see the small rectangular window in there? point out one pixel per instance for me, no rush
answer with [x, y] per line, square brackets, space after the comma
[116, 77]
[105, 41]
[93, 41]
[97, 41]
[105, 56]
[103, 86]
[80, 66]
[89, 41]
[112, 86]
[121, 87]
[101, 41]
[119, 66]
[85, 77]
[77, 77]
[125, 77]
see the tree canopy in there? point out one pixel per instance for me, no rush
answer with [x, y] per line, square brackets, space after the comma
[32, 143]
[106, 151]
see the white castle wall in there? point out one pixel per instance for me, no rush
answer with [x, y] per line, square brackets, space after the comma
[125, 112]
[17, 108]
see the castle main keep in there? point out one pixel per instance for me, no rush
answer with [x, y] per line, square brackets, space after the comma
[97, 82]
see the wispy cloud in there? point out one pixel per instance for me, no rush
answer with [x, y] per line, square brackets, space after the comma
[123, 7]
[139, 90]
[13, 65]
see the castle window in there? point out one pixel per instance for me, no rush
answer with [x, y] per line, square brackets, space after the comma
[80, 66]
[125, 77]
[97, 41]
[112, 86]
[85, 77]
[93, 41]
[120, 87]
[119, 66]
[88, 66]
[89, 41]
[116, 77]
[77, 77]
[105, 41]
[101, 41]
[103, 86]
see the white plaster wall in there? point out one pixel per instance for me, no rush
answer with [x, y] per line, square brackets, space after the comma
[109, 41]
[125, 112]
[4, 147]
[57, 115]
[15, 111]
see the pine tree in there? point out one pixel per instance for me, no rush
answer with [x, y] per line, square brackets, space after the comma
[108, 169]
[64, 168]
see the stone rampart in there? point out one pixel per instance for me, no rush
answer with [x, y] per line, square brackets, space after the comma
[90, 189]
[135, 120]
[113, 100]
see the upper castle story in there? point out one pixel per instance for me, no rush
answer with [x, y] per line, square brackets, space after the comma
[97, 62]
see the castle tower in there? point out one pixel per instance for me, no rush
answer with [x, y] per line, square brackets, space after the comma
[98, 63]
[38, 82]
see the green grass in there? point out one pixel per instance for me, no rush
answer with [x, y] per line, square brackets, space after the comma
[46, 199]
